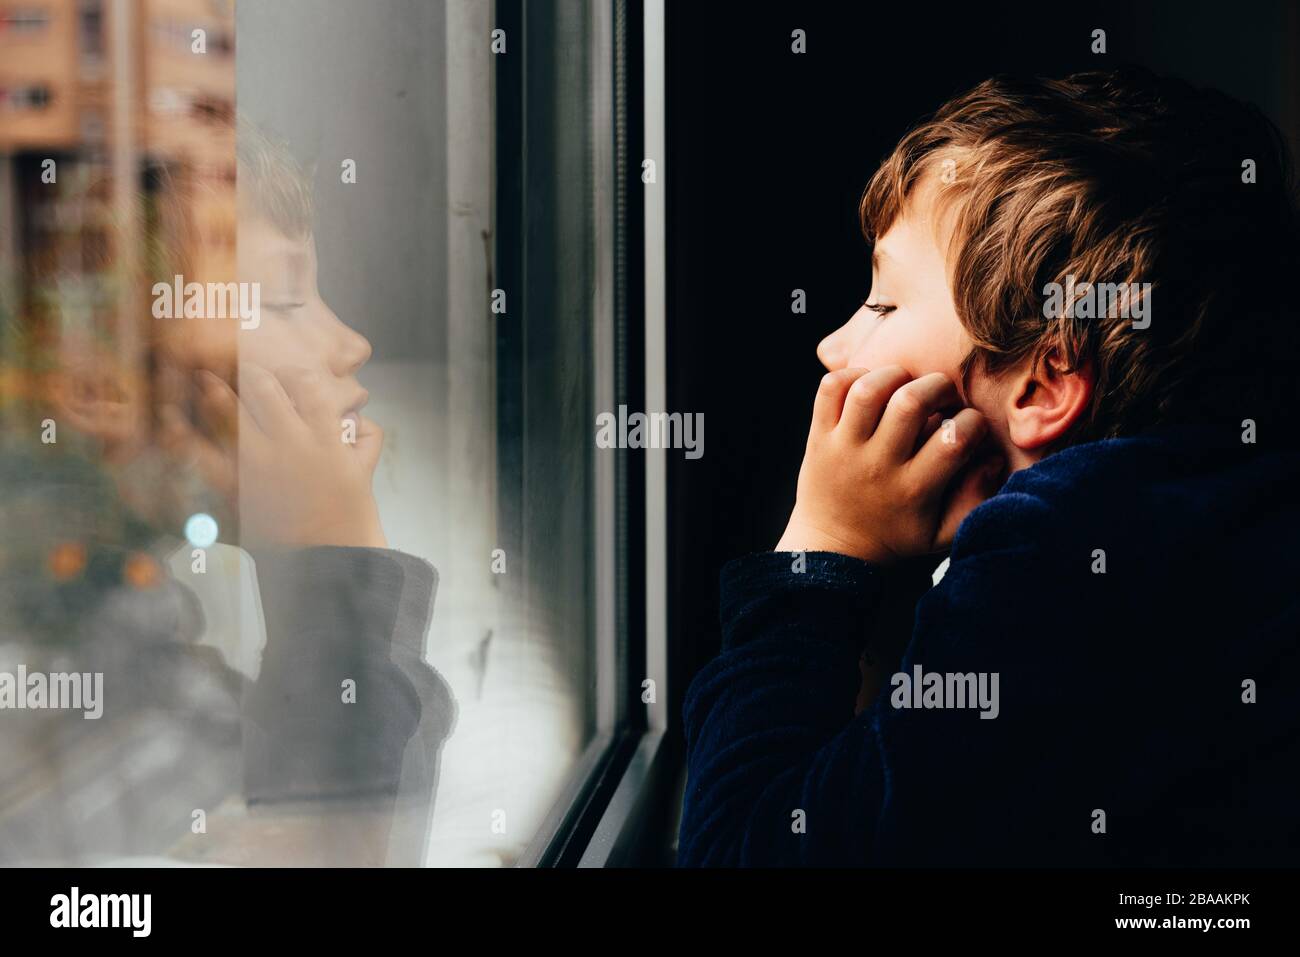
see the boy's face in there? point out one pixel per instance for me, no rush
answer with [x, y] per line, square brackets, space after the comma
[297, 328]
[915, 324]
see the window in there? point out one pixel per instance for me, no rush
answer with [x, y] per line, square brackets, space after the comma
[317, 561]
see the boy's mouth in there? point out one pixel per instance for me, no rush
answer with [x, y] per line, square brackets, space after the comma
[353, 410]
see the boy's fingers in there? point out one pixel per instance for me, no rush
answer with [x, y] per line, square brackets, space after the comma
[222, 412]
[265, 399]
[908, 410]
[830, 397]
[942, 457]
[867, 399]
[218, 408]
[973, 486]
[307, 391]
[931, 426]
[181, 439]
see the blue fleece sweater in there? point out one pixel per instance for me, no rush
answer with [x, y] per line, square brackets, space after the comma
[1136, 600]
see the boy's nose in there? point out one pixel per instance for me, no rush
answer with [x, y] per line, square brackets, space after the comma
[833, 351]
[353, 352]
[843, 347]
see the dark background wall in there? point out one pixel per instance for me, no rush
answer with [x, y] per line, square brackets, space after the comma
[768, 154]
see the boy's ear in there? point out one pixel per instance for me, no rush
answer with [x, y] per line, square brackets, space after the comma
[1046, 400]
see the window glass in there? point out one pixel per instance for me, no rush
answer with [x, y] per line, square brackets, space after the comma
[297, 478]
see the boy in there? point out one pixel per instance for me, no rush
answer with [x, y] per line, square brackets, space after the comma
[1079, 284]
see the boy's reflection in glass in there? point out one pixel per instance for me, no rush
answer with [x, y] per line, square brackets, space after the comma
[308, 733]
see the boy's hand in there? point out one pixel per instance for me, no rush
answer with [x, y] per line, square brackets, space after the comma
[300, 474]
[877, 480]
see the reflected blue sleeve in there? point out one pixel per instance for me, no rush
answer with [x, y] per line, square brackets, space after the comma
[343, 686]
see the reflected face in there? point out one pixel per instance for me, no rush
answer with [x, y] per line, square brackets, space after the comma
[297, 328]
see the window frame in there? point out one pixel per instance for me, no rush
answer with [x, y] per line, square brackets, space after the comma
[602, 815]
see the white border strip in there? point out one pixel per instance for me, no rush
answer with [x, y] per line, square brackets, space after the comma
[656, 386]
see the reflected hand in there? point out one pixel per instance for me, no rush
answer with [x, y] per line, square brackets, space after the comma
[301, 475]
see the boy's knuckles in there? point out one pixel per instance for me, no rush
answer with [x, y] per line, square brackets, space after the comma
[259, 382]
[864, 394]
[970, 426]
[264, 390]
[831, 384]
[834, 383]
[875, 471]
[254, 380]
[907, 402]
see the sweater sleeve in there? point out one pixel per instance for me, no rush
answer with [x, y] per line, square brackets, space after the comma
[775, 754]
[779, 769]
